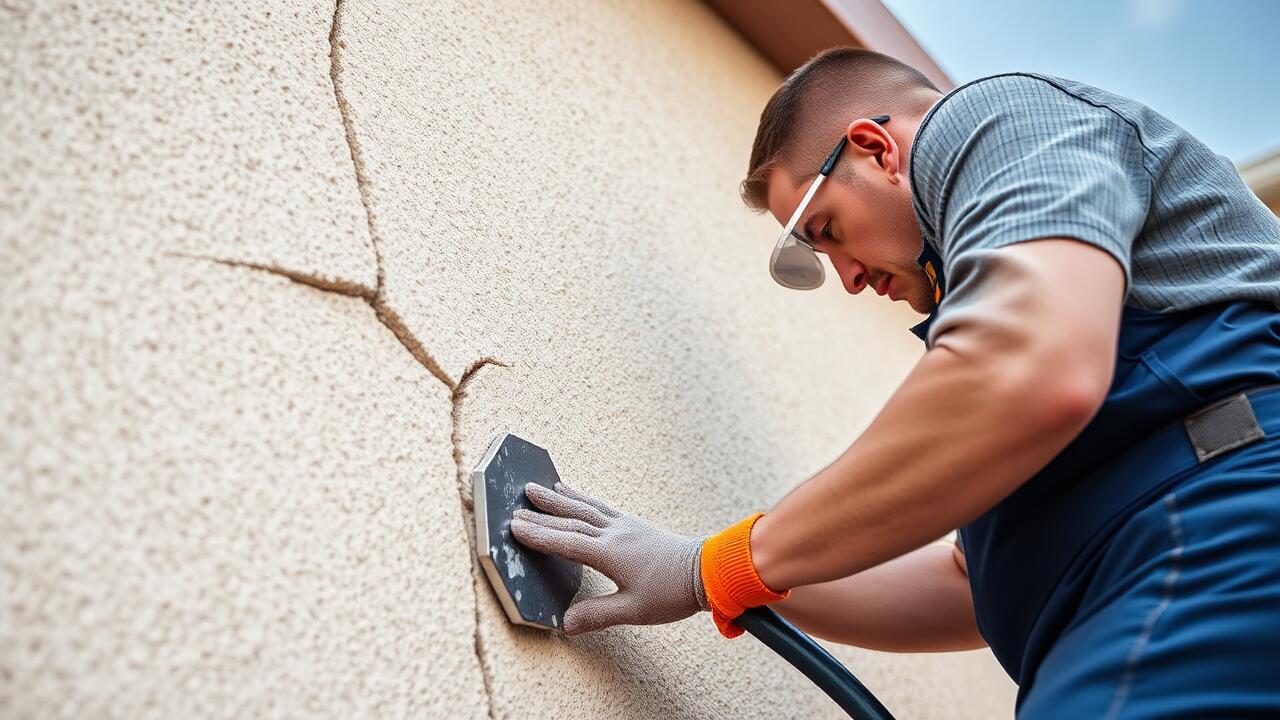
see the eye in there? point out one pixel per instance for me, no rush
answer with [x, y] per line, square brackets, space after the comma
[826, 232]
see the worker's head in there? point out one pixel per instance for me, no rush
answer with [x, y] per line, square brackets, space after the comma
[862, 217]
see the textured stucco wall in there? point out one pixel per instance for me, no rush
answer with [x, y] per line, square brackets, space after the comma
[275, 274]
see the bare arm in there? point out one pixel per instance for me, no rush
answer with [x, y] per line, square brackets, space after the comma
[1008, 384]
[1013, 376]
[919, 602]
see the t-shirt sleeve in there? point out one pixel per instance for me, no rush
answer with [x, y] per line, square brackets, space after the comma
[1014, 158]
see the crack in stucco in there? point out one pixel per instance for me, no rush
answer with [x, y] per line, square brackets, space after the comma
[457, 393]
[376, 299]
[392, 320]
[386, 315]
[467, 509]
[456, 396]
[341, 287]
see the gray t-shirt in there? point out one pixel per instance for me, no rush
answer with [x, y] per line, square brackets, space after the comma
[1016, 157]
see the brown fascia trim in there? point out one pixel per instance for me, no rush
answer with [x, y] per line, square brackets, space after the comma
[1262, 175]
[789, 32]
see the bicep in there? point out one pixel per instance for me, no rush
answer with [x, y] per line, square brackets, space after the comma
[1048, 308]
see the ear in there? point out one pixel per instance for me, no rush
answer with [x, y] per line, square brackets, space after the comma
[870, 139]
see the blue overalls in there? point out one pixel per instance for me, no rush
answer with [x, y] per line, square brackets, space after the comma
[1138, 574]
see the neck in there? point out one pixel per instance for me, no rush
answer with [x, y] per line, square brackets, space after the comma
[905, 132]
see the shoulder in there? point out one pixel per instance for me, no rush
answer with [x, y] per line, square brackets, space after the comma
[1004, 95]
[1013, 122]
[1005, 111]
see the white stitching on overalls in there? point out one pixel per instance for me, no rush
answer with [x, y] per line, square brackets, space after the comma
[1170, 581]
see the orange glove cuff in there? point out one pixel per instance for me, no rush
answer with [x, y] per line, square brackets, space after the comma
[729, 578]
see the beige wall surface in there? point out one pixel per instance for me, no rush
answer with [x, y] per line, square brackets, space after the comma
[275, 275]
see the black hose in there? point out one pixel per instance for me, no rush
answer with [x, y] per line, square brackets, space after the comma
[816, 663]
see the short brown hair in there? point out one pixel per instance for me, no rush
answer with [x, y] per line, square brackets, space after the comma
[838, 84]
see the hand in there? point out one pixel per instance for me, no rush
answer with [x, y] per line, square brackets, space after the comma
[657, 571]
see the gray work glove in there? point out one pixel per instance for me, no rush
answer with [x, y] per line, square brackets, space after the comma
[657, 572]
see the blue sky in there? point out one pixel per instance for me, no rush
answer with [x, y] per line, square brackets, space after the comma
[1212, 67]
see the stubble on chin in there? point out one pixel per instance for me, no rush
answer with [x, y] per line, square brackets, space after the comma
[921, 299]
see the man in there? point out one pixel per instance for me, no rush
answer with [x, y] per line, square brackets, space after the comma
[1097, 411]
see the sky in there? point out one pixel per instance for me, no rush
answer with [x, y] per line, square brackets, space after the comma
[1212, 66]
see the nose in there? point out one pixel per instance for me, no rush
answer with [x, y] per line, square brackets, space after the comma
[852, 273]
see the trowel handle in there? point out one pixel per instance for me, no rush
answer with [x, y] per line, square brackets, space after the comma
[816, 663]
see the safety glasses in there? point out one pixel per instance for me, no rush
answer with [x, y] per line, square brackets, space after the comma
[794, 263]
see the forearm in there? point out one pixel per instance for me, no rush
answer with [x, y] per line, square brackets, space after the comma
[951, 443]
[919, 602]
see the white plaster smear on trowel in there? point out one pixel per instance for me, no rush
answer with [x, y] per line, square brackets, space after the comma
[515, 568]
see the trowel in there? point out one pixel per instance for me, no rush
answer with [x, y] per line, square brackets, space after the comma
[535, 589]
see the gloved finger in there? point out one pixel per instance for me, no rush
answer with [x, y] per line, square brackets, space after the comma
[558, 523]
[569, 545]
[596, 503]
[550, 501]
[598, 613]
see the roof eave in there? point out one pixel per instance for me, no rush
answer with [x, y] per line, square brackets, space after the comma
[789, 33]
